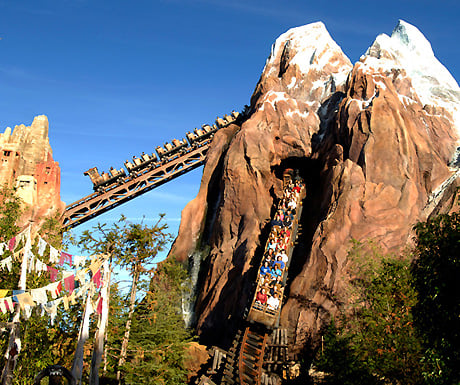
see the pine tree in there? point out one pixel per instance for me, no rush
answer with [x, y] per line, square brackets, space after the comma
[133, 248]
[159, 338]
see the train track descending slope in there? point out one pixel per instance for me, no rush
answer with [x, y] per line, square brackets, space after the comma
[144, 174]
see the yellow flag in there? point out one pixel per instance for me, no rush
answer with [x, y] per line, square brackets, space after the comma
[94, 267]
[3, 292]
[25, 299]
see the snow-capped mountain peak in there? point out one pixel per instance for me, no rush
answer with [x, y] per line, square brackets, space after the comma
[408, 49]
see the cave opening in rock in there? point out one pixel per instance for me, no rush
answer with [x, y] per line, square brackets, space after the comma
[312, 213]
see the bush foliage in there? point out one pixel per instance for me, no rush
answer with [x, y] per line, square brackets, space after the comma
[403, 326]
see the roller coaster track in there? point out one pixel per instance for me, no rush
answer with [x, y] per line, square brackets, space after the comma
[133, 185]
[251, 357]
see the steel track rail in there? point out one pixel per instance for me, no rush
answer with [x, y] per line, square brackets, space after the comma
[132, 186]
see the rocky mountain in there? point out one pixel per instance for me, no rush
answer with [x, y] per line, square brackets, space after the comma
[376, 144]
[27, 164]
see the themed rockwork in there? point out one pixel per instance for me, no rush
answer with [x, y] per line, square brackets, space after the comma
[373, 142]
[27, 164]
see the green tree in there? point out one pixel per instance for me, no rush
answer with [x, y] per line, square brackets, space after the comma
[133, 248]
[158, 344]
[436, 271]
[10, 212]
[340, 360]
[43, 343]
[376, 335]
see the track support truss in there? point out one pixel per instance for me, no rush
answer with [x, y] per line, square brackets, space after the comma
[133, 185]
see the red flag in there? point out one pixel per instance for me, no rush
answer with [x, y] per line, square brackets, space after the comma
[99, 305]
[53, 273]
[69, 283]
[65, 257]
[97, 278]
[11, 244]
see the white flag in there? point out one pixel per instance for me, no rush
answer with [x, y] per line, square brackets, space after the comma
[41, 246]
[54, 255]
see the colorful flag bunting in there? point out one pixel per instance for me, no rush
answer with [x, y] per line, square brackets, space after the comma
[7, 262]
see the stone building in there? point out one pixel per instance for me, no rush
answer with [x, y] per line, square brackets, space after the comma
[27, 164]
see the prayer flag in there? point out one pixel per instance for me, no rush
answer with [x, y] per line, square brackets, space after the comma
[3, 292]
[53, 273]
[69, 283]
[39, 295]
[40, 266]
[95, 266]
[72, 298]
[8, 303]
[6, 262]
[54, 255]
[27, 311]
[54, 288]
[97, 279]
[79, 260]
[11, 243]
[15, 294]
[99, 305]
[30, 261]
[51, 309]
[25, 299]
[65, 257]
[41, 246]
[17, 255]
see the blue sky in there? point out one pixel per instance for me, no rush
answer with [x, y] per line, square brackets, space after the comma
[119, 77]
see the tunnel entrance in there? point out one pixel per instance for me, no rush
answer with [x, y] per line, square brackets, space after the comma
[314, 210]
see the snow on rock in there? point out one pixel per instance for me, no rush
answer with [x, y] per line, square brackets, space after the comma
[304, 55]
[408, 49]
[313, 46]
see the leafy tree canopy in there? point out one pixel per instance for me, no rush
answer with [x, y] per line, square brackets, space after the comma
[436, 272]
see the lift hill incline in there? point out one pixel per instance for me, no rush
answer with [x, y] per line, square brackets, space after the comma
[144, 173]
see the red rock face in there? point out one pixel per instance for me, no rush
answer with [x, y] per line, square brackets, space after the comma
[28, 164]
[369, 150]
[48, 176]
